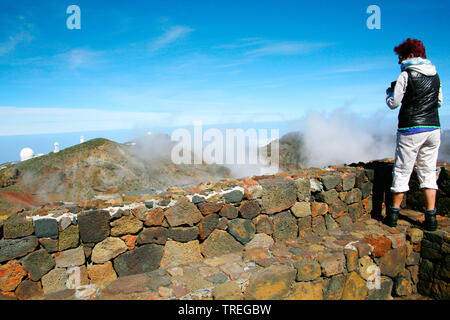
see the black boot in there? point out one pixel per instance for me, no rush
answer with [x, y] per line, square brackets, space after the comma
[430, 220]
[392, 217]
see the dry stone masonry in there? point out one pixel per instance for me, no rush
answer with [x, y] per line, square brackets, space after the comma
[303, 235]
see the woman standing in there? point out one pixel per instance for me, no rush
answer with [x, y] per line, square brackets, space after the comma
[418, 90]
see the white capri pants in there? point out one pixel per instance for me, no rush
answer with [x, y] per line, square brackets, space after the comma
[423, 147]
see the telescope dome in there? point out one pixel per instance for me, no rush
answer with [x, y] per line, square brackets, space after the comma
[26, 154]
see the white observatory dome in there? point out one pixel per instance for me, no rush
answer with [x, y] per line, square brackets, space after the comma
[26, 154]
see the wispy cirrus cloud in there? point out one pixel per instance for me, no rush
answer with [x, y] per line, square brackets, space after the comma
[79, 57]
[171, 35]
[242, 43]
[73, 59]
[257, 47]
[23, 121]
[12, 42]
[23, 34]
[286, 48]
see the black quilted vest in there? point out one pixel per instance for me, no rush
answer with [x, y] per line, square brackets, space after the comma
[420, 102]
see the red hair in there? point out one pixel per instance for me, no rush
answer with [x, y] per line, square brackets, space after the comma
[409, 46]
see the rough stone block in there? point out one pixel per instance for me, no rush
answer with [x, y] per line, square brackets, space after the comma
[307, 270]
[330, 223]
[11, 274]
[393, 262]
[355, 288]
[356, 211]
[140, 260]
[219, 243]
[207, 225]
[208, 208]
[229, 290]
[229, 211]
[46, 228]
[384, 292]
[380, 244]
[271, 283]
[328, 197]
[69, 258]
[108, 249]
[332, 263]
[55, 280]
[156, 235]
[242, 229]
[353, 196]
[306, 291]
[126, 225]
[17, 227]
[330, 181]
[183, 234]
[335, 288]
[101, 273]
[303, 186]
[93, 225]
[348, 181]
[403, 285]
[183, 212]
[15, 248]
[264, 224]
[278, 194]
[28, 289]
[176, 253]
[319, 208]
[38, 263]
[69, 238]
[249, 209]
[260, 240]
[233, 196]
[301, 209]
[318, 225]
[154, 217]
[285, 227]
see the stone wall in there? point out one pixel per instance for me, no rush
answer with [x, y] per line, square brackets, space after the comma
[434, 272]
[303, 235]
[414, 198]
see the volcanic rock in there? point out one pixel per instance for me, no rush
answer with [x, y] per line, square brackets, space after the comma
[46, 228]
[219, 243]
[93, 225]
[15, 248]
[108, 249]
[140, 260]
[17, 227]
[156, 235]
[183, 212]
[38, 263]
[285, 227]
[278, 194]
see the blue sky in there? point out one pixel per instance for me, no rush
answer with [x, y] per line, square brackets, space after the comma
[150, 64]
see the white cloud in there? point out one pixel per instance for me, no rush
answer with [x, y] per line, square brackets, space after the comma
[78, 58]
[23, 121]
[173, 34]
[242, 43]
[13, 41]
[261, 47]
[17, 121]
[286, 48]
[22, 35]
